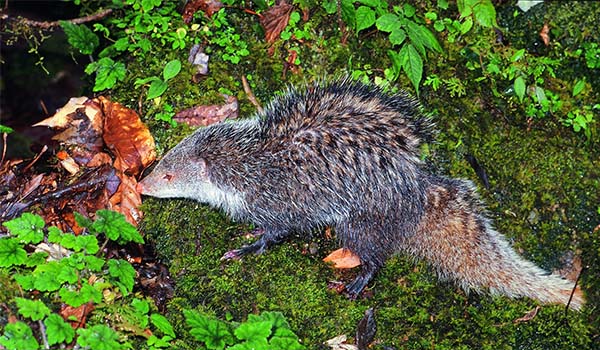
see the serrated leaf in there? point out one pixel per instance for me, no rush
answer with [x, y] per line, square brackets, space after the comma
[397, 36]
[123, 274]
[171, 69]
[85, 294]
[214, 333]
[365, 18]
[18, 336]
[11, 252]
[108, 72]
[412, 65]
[28, 227]
[80, 37]
[388, 22]
[50, 276]
[98, 337]
[116, 227]
[162, 324]
[253, 330]
[33, 309]
[58, 330]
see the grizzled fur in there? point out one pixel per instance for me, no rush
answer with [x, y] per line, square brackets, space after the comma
[347, 155]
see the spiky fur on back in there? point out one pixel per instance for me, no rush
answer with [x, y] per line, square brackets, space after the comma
[347, 155]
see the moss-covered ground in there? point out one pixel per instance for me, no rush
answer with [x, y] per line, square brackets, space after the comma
[544, 195]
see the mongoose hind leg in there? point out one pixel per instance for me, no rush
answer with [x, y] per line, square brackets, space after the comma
[367, 273]
[269, 238]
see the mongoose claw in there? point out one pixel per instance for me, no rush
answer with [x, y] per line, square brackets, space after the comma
[235, 254]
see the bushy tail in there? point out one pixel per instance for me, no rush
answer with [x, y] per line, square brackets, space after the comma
[459, 241]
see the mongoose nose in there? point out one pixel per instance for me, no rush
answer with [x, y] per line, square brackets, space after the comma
[139, 187]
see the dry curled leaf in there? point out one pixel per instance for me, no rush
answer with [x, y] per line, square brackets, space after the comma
[127, 137]
[545, 34]
[275, 19]
[343, 259]
[207, 6]
[528, 316]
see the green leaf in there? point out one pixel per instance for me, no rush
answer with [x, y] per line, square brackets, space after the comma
[253, 330]
[365, 18]
[123, 273]
[158, 87]
[25, 281]
[18, 336]
[98, 337]
[33, 309]
[397, 36]
[416, 39]
[76, 298]
[412, 65]
[578, 87]
[115, 227]
[171, 69]
[409, 10]
[519, 86]
[28, 227]
[11, 252]
[285, 339]
[214, 333]
[80, 37]
[50, 276]
[466, 25]
[82, 221]
[517, 55]
[275, 317]
[330, 6]
[5, 129]
[141, 306]
[58, 330]
[162, 324]
[93, 263]
[388, 22]
[108, 72]
[485, 13]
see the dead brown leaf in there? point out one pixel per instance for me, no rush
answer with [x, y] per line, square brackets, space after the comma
[127, 137]
[528, 316]
[93, 180]
[342, 259]
[275, 19]
[545, 34]
[207, 6]
[127, 200]
[206, 115]
[79, 314]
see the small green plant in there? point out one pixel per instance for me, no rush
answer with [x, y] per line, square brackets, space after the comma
[582, 119]
[219, 32]
[108, 72]
[269, 330]
[592, 55]
[407, 33]
[157, 85]
[54, 269]
[80, 37]
[293, 29]
[166, 115]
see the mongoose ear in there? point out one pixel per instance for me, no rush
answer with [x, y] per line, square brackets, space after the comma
[202, 165]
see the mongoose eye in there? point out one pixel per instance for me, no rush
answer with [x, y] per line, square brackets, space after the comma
[168, 177]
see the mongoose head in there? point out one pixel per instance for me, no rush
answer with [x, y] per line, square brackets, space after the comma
[186, 172]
